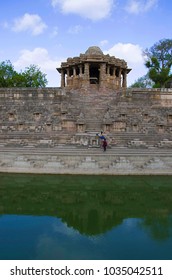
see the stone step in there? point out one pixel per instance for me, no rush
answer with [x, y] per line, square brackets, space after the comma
[88, 151]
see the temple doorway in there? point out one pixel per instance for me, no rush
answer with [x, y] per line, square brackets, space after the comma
[94, 74]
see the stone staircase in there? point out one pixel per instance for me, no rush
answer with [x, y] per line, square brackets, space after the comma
[89, 151]
[94, 107]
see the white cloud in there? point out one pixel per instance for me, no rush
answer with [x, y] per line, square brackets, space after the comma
[129, 52]
[94, 10]
[29, 22]
[103, 43]
[132, 54]
[75, 29]
[41, 58]
[140, 6]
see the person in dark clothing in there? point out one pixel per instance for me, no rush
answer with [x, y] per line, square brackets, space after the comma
[103, 140]
[104, 145]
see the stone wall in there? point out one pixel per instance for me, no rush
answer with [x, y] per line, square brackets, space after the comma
[52, 116]
[52, 130]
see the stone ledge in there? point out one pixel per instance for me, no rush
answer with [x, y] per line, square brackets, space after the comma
[57, 161]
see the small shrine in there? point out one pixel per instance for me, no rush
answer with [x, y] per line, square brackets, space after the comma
[94, 70]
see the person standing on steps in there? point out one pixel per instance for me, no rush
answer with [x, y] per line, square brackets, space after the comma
[103, 140]
[104, 145]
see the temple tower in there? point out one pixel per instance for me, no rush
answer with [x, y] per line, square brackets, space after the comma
[94, 70]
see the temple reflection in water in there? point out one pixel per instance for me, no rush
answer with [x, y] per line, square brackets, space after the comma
[91, 205]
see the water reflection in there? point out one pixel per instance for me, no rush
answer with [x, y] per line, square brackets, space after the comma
[85, 217]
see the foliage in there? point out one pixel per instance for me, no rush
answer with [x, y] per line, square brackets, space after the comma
[30, 77]
[143, 82]
[34, 77]
[159, 62]
[7, 74]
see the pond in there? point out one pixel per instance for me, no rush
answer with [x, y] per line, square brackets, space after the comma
[71, 217]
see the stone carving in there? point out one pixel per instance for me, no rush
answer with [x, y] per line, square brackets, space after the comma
[107, 117]
[122, 163]
[137, 143]
[88, 163]
[81, 118]
[154, 163]
[165, 143]
[22, 162]
[54, 164]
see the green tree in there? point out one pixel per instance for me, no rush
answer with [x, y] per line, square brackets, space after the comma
[34, 77]
[7, 74]
[143, 82]
[30, 77]
[159, 62]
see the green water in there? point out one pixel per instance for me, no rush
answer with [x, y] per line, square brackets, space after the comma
[85, 217]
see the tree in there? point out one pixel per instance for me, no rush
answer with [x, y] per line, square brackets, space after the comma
[143, 82]
[30, 77]
[7, 74]
[159, 62]
[34, 77]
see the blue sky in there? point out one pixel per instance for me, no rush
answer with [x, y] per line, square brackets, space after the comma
[47, 32]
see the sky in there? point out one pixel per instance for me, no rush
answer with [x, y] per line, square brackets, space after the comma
[47, 32]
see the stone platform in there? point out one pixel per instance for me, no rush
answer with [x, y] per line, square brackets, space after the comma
[70, 159]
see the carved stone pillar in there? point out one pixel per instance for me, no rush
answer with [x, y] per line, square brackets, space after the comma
[68, 72]
[108, 69]
[68, 75]
[124, 81]
[120, 77]
[102, 73]
[62, 78]
[74, 71]
[86, 72]
[114, 77]
[80, 70]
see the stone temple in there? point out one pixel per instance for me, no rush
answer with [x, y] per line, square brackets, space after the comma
[94, 70]
[53, 130]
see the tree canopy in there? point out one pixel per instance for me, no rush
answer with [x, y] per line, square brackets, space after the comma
[30, 77]
[159, 62]
[143, 82]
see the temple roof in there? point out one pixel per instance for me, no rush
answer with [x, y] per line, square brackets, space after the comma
[94, 50]
[93, 55]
